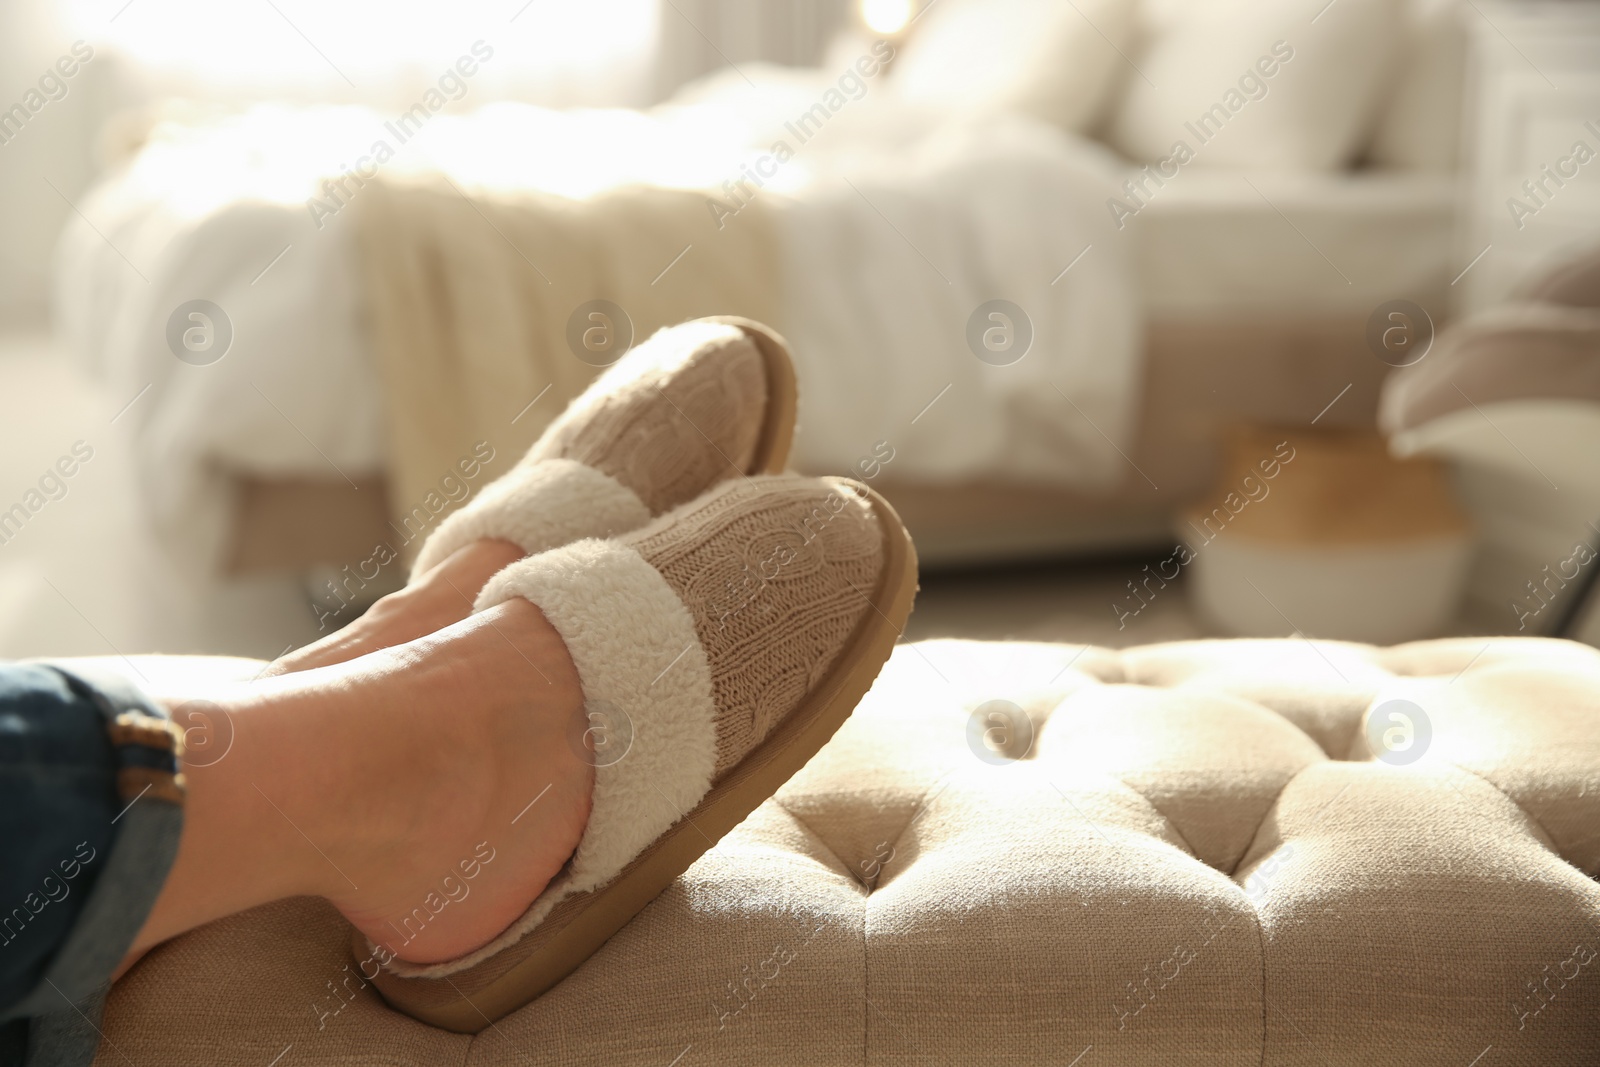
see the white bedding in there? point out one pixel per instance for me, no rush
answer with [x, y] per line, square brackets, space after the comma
[893, 228]
[1224, 243]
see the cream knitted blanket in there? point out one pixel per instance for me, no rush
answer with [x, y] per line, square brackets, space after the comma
[482, 307]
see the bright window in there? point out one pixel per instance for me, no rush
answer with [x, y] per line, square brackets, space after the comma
[552, 51]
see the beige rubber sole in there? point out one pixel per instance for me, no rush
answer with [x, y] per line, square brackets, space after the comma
[469, 1001]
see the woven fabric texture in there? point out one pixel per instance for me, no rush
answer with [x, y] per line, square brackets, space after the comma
[1197, 859]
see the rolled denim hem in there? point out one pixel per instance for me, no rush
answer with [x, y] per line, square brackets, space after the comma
[65, 1008]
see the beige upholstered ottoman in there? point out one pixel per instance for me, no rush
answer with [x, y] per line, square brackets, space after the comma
[1199, 861]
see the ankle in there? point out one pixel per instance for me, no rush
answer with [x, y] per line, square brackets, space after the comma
[369, 783]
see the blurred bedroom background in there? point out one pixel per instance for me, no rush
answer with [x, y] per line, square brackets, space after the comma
[1155, 318]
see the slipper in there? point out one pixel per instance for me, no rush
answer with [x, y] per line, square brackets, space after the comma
[719, 648]
[695, 405]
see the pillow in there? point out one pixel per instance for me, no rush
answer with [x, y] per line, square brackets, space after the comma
[1421, 127]
[1256, 84]
[1054, 60]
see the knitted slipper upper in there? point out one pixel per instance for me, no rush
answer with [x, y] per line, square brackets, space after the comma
[697, 635]
[675, 416]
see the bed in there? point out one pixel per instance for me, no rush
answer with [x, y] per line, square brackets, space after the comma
[385, 316]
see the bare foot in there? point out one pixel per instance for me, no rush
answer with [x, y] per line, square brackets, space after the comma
[430, 791]
[442, 596]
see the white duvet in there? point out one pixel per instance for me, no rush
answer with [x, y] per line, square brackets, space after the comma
[894, 227]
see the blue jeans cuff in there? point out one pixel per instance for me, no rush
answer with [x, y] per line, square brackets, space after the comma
[62, 1010]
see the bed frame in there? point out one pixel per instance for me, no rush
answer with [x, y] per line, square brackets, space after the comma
[1201, 377]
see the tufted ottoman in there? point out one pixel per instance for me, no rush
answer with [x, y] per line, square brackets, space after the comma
[1198, 860]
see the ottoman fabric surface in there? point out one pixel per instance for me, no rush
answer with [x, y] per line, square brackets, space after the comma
[1197, 860]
